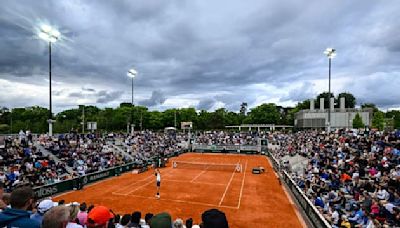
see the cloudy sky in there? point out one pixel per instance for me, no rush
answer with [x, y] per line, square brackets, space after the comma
[199, 53]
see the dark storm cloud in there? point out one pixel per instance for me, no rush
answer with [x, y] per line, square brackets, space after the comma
[157, 98]
[202, 47]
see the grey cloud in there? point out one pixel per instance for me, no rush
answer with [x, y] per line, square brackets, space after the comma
[157, 98]
[206, 104]
[75, 95]
[106, 97]
[88, 89]
[304, 92]
[198, 47]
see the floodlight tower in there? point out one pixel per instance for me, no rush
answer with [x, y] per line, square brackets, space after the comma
[132, 74]
[50, 35]
[330, 53]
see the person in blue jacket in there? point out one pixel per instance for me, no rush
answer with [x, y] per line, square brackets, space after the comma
[22, 201]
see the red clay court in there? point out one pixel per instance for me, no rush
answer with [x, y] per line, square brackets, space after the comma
[247, 199]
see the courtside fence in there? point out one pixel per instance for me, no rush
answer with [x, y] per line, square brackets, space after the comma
[301, 199]
[75, 183]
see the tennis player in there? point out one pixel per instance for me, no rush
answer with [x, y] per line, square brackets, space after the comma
[158, 180]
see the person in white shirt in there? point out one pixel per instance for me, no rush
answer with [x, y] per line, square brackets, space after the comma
[158, 180]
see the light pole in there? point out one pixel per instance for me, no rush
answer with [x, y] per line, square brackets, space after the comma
[51, 35]
[132, 74]
[330, 53]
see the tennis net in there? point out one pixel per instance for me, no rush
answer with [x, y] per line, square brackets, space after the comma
[207, 166]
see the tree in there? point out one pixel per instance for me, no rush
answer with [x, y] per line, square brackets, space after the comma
[370, 105]
[350, 100]
[358, 122]
[324, 95]
[264, 114]
[395, 115]
[243, 108]
[378, 120]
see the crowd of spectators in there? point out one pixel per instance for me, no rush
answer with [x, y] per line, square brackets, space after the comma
[145, 145]
[226, 138]
[21, 162]
[84, 153]
[21, 210]
[351, 177]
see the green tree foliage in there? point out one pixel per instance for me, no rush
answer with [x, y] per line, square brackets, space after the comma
[350, 100]
[378, 120]
[264, 114]
[243, 108]
[370, 105]
[324, 95]
[358, 122]
[395, 115]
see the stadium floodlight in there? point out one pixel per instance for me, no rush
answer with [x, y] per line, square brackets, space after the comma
[132, 74]
[330, 53]
[50, 35]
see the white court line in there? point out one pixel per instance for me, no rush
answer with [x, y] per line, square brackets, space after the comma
[184, 181]
[138, 181]
[241, 189]
[227, 186]
[178, 201]
[134, 182]
[197, 176]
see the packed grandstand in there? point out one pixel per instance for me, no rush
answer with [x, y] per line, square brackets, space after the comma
[350, 176]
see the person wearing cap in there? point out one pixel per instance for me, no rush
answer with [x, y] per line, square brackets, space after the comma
[42, 208]
[162, 220]
[99, 217]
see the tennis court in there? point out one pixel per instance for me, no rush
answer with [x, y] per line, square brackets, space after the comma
[198, 182]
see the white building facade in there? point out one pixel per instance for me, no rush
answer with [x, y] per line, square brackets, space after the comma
[340, 118]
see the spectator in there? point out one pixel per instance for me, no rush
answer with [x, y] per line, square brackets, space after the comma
[56, 217]
[42, 208]
[82, 215]
[214, 218]
[147, 220]
[2, 204]
[73, 212]
[162, 220]
[345, 222]
[189, 223]
[117, 220]
[135, 219]
[125, 221]
[7, 199]
[99, 217]
[179, 223]
[22, 200]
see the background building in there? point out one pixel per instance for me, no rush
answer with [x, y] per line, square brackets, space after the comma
[340, 117]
